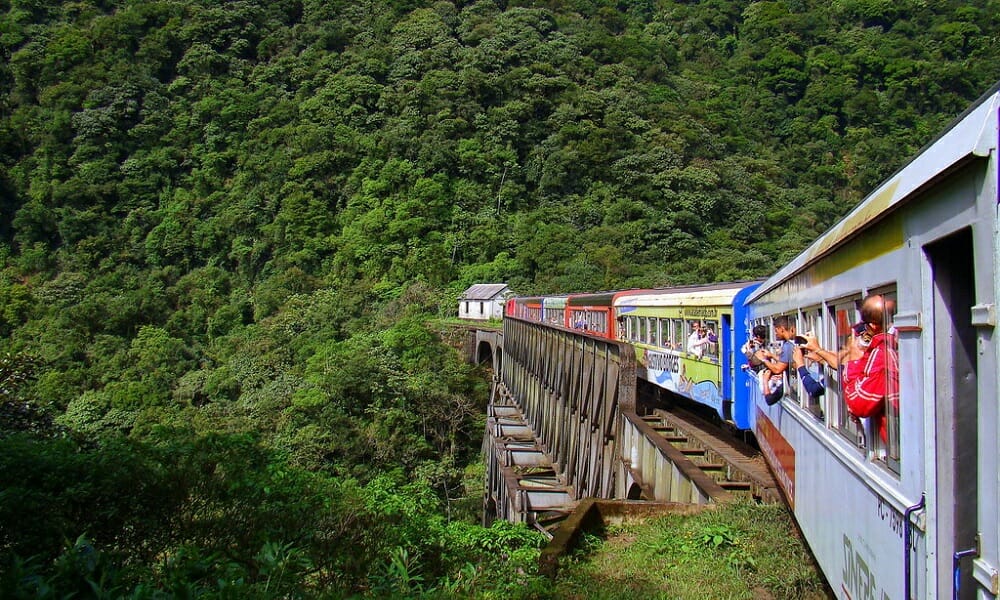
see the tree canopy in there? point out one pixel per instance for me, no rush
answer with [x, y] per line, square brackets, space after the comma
[223, 225]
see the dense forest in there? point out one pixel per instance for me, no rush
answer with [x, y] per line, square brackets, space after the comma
[224, 227]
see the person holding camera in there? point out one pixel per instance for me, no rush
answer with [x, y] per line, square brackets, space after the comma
[853, 350]
[813, 387]
[756, 352]
[872, 380]
[784, 332]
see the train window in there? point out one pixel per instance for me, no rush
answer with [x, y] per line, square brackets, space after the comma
[811, 324]
[868, 375]
[885, 431]
[843, 313]
[679, 338]
[598, 321]
[664, 333]
[711, 332]
[791, 378]
[697, 340]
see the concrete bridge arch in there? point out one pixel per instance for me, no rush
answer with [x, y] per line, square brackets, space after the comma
[489, 349]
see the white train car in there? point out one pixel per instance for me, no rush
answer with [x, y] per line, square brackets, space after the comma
[903, 505]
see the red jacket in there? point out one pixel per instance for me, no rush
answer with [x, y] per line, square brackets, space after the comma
[872, 379]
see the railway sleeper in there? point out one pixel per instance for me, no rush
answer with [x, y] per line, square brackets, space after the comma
[720, 457]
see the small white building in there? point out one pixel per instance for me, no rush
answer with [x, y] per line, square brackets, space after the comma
[483, 301]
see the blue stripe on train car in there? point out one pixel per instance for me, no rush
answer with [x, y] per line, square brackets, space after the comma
[734, 372]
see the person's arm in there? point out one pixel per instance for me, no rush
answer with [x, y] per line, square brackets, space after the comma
[813, 387]
[817, 353]
[780, 365]
[776, 366]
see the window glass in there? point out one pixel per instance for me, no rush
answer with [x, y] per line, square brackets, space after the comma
[710, 332]
[781, 350]
[697, 338]
[679, 339]
[598, 321]
[791, 379]
[885, 431]
[813, 383]
[845, 315]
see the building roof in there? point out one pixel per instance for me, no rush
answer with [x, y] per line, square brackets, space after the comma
[483, 291]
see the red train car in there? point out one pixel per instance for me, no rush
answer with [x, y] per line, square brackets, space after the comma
[528, 308]
[593, 313]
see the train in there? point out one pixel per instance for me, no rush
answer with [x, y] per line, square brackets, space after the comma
[660, 325]
[898, 504]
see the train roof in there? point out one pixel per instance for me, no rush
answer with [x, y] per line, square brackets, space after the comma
[591, 299]
[694, 295]
[974, 133]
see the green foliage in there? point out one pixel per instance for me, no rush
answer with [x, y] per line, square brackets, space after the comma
[222, 230]
[740, 550]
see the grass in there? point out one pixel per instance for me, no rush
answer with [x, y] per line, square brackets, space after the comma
[739, 551]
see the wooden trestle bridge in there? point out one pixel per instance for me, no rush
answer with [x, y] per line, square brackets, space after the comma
[562, 425]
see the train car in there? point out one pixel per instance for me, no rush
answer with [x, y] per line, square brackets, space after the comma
[900, 503]
[685, 338]
[592, 313]
[554, 311]
[528, 308]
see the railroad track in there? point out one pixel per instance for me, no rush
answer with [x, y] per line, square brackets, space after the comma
[736, 466]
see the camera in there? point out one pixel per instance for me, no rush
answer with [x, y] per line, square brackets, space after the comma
[801, 341]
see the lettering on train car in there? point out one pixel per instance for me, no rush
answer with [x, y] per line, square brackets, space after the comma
[701, 311]
[663, 362]
[895, 521]
[858, 580]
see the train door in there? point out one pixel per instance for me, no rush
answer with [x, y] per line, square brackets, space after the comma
[956, 404]
[728, 375]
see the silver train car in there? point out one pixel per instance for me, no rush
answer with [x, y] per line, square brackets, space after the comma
[903, 504]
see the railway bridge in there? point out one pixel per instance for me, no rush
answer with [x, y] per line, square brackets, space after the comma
[564, 424]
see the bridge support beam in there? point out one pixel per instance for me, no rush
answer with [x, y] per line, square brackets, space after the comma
[554, 420]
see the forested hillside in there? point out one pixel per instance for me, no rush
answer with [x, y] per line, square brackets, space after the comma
[223, 226]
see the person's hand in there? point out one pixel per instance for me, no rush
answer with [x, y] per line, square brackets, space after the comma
[812, 344]
[797, 360]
